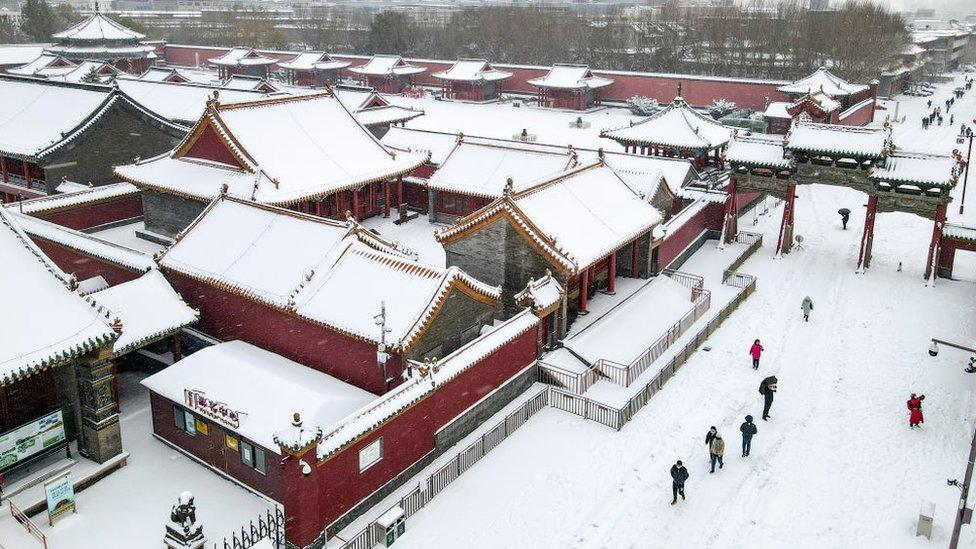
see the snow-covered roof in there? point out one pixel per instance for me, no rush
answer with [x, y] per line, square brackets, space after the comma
[237, 57]
[757, 150]
[472, 70]
[541, 295]
[922, 168]
[959, 231]
[643, 173]
[777, 109]
[19, 54]
[247, 83]
[160, 74]
[150, 309]
[480, 169]
[386, 114]
[98, 28]
[818, 99]
[577, 218]
[35, 114]
[825, 81]
[287, 150]
[338, 280]
[264, 389]
[570, 77]
[342, 432]
[828, 139]
[84, 70]
[67, 200]
[387, 65]
[85, 243]
[41, 63]
[179, 102]
[311, 60]
[437, 144]
[46, 322]
[677, 125]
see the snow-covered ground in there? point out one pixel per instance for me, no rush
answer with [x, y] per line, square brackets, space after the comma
[129, 508]
[837, 465]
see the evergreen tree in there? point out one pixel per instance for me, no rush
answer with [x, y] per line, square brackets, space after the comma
[38, 21]
[391, 32]
[9, 33]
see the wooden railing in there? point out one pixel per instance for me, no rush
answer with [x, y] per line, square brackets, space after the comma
[576, 382]
[420, 496]
[32, 528]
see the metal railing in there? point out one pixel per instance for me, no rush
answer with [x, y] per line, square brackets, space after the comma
[420, 496]
[269, 526]
[21, 181]
[754, 240]
[576, 382]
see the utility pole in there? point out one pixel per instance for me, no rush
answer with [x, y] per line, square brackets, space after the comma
[381, 355]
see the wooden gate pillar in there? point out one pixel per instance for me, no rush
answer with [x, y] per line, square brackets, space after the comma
[785, 242]
[730, 223]
[940, 217]
[867, 239]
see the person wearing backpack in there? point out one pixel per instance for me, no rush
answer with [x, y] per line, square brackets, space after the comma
[767, 389]
[716, 449]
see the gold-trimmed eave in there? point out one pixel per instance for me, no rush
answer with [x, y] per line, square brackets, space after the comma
[456, 281]
[56, 359]
[211, 119]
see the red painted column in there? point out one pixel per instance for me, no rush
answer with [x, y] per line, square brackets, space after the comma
[386, 200]
[635, 259]
[399, 191]
[785, 240]
[584, 282]
[940, 217]
[177, 344]
[318, 208]
[355, 204]
[867, 239]
[3, 167]
[730, 225]
[612, 274]
[338, 199]
[27, 176]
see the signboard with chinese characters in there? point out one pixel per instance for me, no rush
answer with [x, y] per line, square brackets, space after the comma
[219, 411]
[60, 495]
[31, 438]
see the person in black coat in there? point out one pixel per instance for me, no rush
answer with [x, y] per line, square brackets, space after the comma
[679, 474]
[748, 429]
[767, 389]
[710, 435]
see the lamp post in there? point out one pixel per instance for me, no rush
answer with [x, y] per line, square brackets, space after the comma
[381, 355]
[960, 139]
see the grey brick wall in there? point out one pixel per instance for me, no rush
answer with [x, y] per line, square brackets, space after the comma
[460, 320]
[168, 214]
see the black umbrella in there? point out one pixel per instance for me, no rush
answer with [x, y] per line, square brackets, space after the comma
[844, 211]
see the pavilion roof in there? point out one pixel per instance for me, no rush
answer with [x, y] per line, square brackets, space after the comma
[287, 149]
[832, 139]
[825, 81]
[472, 70]
[570, 77]
[244, 82]
[482, 169]
[311, 60]
[387, 65]
[180, 102]
[330, 273]
[758, 150]
[72, 199]
[49, 323]
[43, 62]
[678, 126]
[576, 218]
[238, 57]
[542, 295]
[99, 28]
[150, 309]
[818, 99]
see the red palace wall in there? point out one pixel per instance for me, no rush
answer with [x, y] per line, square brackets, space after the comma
[697, 90]
[84, 266]
[337, 485]
[710, 217]
[92, 215]
[212, 449]
[859, 117]
[228, 316]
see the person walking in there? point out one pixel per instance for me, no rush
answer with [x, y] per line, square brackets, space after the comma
[806, 306]
[767, 389]
[679, 475]
[756, 352]
[915, 416]
[712, 431]
[748, 429]
[716, 449]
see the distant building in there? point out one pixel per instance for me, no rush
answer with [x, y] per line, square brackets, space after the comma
[819, 5]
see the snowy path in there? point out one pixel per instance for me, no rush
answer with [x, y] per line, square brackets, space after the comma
[836, 465]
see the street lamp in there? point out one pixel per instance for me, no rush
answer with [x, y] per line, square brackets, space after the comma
[960, 139]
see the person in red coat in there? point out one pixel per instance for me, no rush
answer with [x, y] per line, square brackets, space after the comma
[915, 416]
[755, 352]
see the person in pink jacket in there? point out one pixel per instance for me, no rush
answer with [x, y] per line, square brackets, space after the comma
[755, 351]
